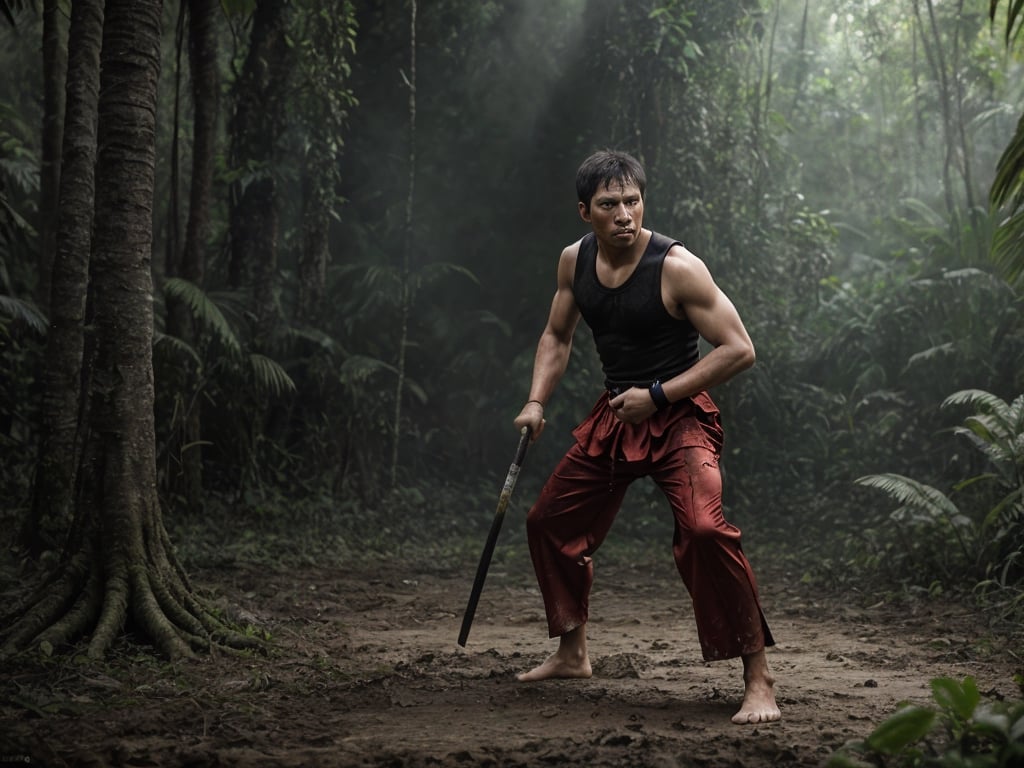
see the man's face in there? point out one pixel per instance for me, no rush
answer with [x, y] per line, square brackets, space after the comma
[616, 213]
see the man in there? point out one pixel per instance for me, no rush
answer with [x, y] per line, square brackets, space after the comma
[647, 300]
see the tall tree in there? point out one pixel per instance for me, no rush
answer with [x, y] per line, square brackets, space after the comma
[257, 127]
[185, 472]
[407, 245]
[52, 498]
[327, 38]
[119, 565]
[945, 71]
[54, 71]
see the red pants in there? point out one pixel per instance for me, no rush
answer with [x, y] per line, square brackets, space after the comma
[678, 448]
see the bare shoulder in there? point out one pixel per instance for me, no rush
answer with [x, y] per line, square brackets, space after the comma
[567, 261]
[686, 276]
[571, 251]
[680, 260]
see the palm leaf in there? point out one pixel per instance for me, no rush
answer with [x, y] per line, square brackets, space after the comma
[359, 368]
[982, 400]
[314, 335]
[1008, 186]
[204, 310]
[936, 223]
[24, 312]
[1014, 13]
[1008, 250]
[269, 375]
[431, 273]
[925, 355]
[179, 346]
[912, 494]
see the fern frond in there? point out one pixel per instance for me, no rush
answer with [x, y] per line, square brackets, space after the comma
[980, 399]
[435, 271]
[380, 277]
[204, 310]
[1007, 510]
[176, 346]
[912, 494]
[929, 216]
[315, 335]
[416, 391]
[485, 316]
[359, 368]
[23, 312]
[269, 375]
[998, 451]
[943, 350]
[988, 427]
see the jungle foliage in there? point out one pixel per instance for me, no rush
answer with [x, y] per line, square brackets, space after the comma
[850, 170]
[961, 728]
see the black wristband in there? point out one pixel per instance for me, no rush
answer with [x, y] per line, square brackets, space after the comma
[658, 396]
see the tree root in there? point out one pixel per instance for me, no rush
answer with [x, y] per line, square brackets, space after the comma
[147, 612]
[80, 617]
[112, 614]
[170, 614]
[45, 607]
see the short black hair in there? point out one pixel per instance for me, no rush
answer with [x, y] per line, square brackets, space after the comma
[604, 167]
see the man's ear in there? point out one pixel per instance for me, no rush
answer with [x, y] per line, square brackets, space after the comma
[584, 212]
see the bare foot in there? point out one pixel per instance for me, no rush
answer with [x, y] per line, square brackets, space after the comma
[759, 695]
[557, 667]
[758, 706]
[570, 660]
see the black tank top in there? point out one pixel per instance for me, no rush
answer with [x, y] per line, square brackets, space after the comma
[636, 337]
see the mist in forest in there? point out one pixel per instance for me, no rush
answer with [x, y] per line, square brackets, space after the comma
[831, 163]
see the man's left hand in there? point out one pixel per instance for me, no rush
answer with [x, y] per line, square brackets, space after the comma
[633, 406]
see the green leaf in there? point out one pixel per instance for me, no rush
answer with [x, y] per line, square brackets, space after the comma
[204, 310]
[176, 345]
[1017, 729]
[995, 725]
[843, 760]
[911, 493]
[959, 699]
[270, 375]
[901, 729]
[25, 312]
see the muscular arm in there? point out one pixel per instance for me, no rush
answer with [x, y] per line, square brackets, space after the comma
[554, 346]
[689, 290]
[688, 287]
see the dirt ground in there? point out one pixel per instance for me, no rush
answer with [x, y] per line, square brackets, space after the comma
[365, 671]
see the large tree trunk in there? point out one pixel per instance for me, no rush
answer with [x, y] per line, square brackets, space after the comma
[118, 565]
[318, 197]
[52, 500]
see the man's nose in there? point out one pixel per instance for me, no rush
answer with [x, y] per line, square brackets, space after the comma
[621, 212]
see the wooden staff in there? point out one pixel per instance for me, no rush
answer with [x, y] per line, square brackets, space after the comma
[492, 536]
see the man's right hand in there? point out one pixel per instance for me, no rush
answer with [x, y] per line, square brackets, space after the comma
[531, 416]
